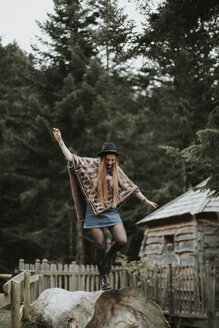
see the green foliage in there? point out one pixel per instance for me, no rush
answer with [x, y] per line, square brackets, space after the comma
[204, 155]
[18, 102]
[141, 269]
[113, 34]
[179, 44]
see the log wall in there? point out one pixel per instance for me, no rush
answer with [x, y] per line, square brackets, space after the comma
[188, 235]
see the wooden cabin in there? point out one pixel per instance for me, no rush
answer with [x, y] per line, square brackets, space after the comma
[183, 231]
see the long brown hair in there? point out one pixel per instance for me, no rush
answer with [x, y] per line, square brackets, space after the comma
[101, 185]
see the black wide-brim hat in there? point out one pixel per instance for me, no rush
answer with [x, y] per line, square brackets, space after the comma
[108, 148]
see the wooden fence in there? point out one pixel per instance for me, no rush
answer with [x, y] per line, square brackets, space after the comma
[183, 290]
[74, 277]
[20, 292]
[179, 289]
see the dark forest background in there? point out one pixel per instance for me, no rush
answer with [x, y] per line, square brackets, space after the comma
[163, 117]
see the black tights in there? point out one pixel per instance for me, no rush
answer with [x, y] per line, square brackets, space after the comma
[118, 232]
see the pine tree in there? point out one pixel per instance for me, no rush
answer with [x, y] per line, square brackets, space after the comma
[70, 45]
[89, 108]
[113, 35]
[204, 155]
[178, 44]
[19, 102]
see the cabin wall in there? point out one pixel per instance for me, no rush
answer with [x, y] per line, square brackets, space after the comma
[170, 241]
[175, 240]
[208, 240]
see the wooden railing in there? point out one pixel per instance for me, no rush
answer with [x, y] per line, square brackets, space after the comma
[20, 292]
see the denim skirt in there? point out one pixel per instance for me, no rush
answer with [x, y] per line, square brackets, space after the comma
[107, 218]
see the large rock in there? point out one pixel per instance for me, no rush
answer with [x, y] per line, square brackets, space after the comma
[120, 308]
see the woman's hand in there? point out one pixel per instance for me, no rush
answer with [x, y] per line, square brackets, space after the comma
[57, 134]
[151, 204]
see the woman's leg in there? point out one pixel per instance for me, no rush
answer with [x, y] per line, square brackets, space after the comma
[99, 242]
[98, 237]
[100, 256]
[120, 236]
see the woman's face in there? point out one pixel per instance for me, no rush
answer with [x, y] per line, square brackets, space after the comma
[110, 160]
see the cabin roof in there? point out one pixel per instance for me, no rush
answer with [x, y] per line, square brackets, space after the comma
[192, 202]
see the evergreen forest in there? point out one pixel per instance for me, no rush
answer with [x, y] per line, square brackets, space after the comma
[162, 115]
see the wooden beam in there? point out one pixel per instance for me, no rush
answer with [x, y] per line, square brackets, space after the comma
[7, 287]
[34, 278]
[212, 320]
[41, 279]
[19, 278]
[170, 289]
[4, 300]
[5, 275]
[15, 304]
[26, 295]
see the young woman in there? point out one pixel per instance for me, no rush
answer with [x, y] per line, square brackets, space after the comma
[99, 187]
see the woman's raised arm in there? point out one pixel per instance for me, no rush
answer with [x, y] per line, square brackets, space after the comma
[57, 135]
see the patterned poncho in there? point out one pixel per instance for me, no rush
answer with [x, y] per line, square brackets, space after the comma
[83, 172]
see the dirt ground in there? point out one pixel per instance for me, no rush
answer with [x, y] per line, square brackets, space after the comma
[5, 319]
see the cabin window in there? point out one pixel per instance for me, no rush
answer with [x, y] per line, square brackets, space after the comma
[168, 239]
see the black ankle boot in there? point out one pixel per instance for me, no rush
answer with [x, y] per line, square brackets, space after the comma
[104, 284]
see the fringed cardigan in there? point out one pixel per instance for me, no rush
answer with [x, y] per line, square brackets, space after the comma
[83, 173]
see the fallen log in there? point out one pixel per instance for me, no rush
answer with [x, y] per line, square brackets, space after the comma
[120, 308]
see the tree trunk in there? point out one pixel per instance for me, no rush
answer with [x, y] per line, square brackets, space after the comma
[79, 243]
[70, 237]
[127, 307]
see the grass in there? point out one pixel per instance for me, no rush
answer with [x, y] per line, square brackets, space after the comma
[5, 319]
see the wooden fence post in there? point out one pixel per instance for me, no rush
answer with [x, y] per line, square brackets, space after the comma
[156, 294]
[170, 289]
[46, 279]
[40, 283]
[44, 265]
[21, 265]
[15, 304]
[74, 282]
[26, 295]
[37, 265]
[211, 306]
